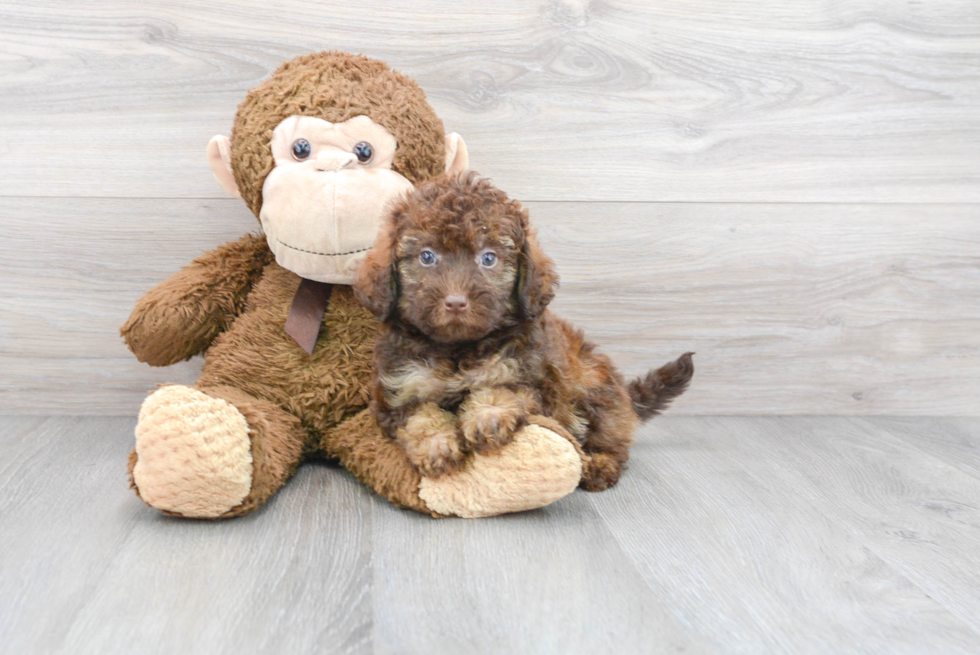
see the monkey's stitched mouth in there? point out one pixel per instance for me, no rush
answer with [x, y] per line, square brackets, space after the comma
[323, 254]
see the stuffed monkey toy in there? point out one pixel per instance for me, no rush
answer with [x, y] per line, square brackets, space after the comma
[318, 152]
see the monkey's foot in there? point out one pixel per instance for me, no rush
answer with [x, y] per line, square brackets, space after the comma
[537, 468]
[193, 453]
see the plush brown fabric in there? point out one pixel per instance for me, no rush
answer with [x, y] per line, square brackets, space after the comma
[297, 405]
[257, 357]
[232, 303]
[375, 460]
[336, 86]
[278, 439]
[181, 317]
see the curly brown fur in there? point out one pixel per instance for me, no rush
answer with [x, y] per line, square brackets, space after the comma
[653, 392]
[491, 415]
[468, 337]
[428, 435]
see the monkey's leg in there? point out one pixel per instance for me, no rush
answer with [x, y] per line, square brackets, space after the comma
[375, 459]
[542, 464]
[212, 452]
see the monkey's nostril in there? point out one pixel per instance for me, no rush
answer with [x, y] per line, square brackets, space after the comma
[329, 162]
[456, 302]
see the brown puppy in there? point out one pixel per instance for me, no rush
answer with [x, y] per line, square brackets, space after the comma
[468, 351]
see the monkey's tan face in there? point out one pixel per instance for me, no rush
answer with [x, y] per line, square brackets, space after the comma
[329, 191]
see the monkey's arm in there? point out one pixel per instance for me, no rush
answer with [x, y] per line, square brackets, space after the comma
[181, 316]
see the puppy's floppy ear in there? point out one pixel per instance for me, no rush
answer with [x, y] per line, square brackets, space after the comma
[537, 279]
[376, 284]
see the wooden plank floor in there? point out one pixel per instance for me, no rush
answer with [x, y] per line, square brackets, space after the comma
[727, 535]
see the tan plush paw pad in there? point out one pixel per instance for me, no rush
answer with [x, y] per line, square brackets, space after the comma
[194, 454]
[537, 468]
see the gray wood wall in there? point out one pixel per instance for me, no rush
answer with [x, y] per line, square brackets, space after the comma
[790, 188]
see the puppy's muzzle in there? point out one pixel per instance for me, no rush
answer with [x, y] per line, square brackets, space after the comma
[456, 303]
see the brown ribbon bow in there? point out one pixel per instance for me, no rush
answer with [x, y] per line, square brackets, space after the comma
[306, 313]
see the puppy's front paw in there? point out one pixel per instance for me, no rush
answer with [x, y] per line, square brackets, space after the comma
[489, 419]
[490, 428]
[431, 441]
[436, 455]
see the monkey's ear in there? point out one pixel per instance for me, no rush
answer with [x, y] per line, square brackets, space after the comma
[537, 279]
[376, 283]
[457, 157]
[219, 158]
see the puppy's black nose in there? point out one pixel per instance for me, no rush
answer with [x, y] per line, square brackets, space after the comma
[456, 302]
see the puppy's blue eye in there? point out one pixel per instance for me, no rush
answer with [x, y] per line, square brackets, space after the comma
[488, 259]
[301, 149]
[427, 258]
[363, 151]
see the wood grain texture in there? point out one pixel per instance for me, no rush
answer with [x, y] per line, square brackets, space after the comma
[792, 309]
[709, 522]
[852, 309]
[726, 535]
[506, 585]
[956, 441]
[850, 101]
[87, 568]
[915, 511]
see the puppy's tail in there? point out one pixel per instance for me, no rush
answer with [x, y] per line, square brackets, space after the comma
[652, 392]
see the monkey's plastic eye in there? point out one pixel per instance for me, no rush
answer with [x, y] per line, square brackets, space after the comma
[427, 258]
[489, 259]
[301, 149]
[364, 152]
